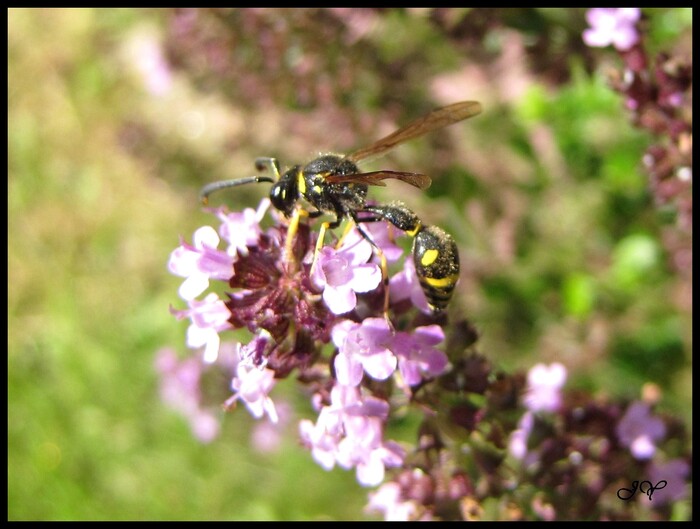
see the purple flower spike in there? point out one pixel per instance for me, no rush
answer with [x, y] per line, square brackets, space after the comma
[363, 347]
[611, 25]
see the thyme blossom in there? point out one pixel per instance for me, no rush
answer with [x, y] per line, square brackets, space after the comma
[344, 272]
[363, 347]
[348, 432]
[373, 347]
[209, 317]
[252, 384]
[242, 229]
[364, 362]
[200, 262]
[388, 500]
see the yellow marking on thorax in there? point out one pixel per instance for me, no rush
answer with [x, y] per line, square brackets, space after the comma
[301, 182]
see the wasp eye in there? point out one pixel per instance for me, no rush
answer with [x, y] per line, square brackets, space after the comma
[277, 194]
[282, 196]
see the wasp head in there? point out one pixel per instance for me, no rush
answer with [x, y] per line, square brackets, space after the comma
[285, 192]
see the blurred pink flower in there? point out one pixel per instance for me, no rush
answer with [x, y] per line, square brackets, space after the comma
[153, 67]
[180, 390]
[387, 500]
[639, 430]
[544, 385]
[675, 473]
[517, 444]
[612, 25]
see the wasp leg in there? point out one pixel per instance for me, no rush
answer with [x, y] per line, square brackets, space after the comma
[292, 230]
[346, 232]
[382, 258]
[321, 236]
[271, 164]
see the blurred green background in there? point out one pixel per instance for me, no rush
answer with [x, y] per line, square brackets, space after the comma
[116, 119]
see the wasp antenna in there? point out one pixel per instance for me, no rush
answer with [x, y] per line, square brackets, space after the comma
[223, 184]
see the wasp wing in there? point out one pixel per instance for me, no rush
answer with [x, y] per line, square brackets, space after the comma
[437, 119]
[375, 178]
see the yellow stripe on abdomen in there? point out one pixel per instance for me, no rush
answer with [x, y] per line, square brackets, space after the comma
[441, 282]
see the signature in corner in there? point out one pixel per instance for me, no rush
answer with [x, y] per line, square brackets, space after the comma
[645, 487]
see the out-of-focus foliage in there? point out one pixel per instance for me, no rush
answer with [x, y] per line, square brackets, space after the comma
[117, 117]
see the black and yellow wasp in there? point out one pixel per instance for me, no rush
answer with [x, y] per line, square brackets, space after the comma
[334, 185]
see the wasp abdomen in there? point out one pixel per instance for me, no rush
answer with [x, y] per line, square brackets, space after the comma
[436, 259]
[435, 253]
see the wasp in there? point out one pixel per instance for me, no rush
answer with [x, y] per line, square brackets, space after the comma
[334, 185]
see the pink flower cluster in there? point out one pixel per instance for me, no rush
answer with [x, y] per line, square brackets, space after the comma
[349, 432]
[294, 301]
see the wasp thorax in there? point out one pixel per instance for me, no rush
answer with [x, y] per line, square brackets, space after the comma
[331, 164]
